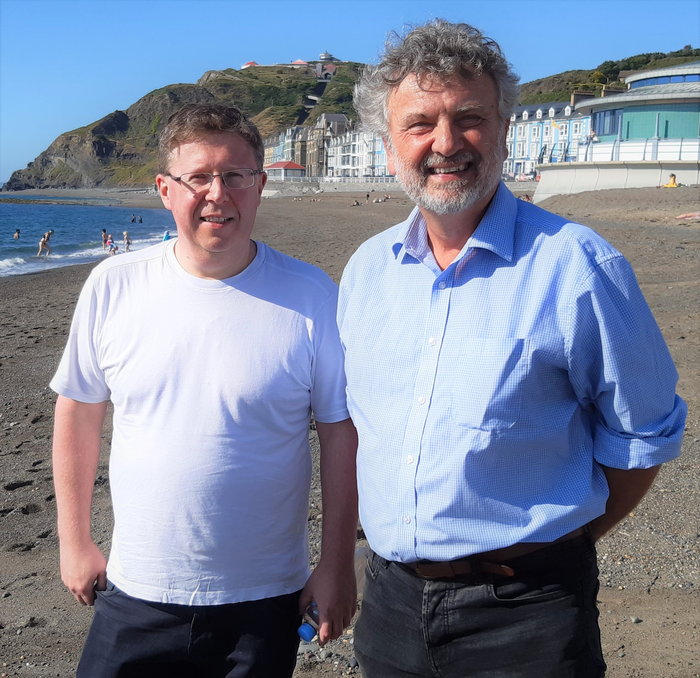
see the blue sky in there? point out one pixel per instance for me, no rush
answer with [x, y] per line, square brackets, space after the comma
[66, 64]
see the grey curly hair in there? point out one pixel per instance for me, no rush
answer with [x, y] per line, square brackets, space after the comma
[437, 49]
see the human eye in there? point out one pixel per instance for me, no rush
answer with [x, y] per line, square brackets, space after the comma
[469, 120]
[197, 179]
[237, 178]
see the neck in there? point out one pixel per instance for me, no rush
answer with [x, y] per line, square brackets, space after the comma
[216, 266]
[448, 233]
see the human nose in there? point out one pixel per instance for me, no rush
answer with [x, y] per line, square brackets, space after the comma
[448, 139]
[217, 189]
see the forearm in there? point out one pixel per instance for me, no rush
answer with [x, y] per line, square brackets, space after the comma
[76, 450]
[627, 488]
[339, 490]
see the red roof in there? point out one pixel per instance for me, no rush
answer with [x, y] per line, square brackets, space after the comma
[299, 61]
[285, 165]
[250, 63]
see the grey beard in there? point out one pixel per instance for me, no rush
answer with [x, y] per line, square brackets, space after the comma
[457, 197]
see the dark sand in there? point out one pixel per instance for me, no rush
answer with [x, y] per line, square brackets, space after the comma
[649, 565]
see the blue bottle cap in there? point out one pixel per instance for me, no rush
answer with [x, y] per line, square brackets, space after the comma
[306, 632]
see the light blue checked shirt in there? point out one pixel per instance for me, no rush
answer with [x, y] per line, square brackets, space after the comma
[488, 395]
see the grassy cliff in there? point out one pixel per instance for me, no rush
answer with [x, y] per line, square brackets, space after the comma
[121, 148]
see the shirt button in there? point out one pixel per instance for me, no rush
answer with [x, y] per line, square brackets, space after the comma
[442, 285]
[409, 459]
[432, 341]
[406, 520]
[421, 400]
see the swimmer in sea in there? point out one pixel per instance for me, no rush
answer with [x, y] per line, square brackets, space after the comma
[16, 235]
[44, 243]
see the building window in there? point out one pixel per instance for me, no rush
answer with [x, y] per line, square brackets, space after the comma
[525, 115]
[576, 129]
[563, 128]
[535, 132]
[551, 112]
[607, 122]
[520, 149]
[546, 130]
[567, 110]
[522, 132]
[539, 113]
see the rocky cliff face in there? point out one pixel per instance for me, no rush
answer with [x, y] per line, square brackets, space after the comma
[121, 148]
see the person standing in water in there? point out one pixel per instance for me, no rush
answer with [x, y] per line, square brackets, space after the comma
[104, 239]
[44, 243]
[127, 241]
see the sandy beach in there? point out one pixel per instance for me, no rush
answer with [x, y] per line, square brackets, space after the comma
[650, 565]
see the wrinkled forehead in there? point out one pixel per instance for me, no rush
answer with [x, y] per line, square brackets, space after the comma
[419, 94]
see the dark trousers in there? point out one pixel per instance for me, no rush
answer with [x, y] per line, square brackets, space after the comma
[540, 623]
[133, 638]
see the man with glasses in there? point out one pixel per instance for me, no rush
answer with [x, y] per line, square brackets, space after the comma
[214, 349]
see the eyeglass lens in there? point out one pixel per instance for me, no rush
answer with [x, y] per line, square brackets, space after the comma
[240, 178]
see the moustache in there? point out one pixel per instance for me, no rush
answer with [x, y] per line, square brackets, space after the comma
[460, 158]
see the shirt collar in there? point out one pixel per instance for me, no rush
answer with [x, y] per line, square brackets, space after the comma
[495, 231]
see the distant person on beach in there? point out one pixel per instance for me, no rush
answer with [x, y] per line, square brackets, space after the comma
[671, 182]
[214, 350]
[127, 241]
[104, 239]
[44, 243]
[513, 395]
[16, 235]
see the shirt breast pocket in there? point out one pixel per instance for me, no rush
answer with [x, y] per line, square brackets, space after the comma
[487, 393]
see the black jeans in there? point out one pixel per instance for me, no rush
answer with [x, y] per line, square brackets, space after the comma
[133, 638]
[541, 623]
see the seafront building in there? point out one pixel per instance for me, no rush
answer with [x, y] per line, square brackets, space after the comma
[633, 137]
[544, 133]
[357, 154]
[638, 138]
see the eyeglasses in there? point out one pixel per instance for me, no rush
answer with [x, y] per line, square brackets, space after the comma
[201, 181]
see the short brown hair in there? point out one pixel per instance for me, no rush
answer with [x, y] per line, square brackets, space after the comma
[196, 120]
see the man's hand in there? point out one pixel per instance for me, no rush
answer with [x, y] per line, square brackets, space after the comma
[333, 590]
[83, 570]
[76, 451]
[332, 584]
[627, 489]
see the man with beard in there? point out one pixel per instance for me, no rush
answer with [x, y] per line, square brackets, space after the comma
[513, 395]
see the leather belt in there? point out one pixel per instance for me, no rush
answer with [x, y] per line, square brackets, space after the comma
[488, 561]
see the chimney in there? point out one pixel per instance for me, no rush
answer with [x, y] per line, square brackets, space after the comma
[577, 97]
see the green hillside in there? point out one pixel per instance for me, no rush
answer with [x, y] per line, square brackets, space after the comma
[559, 87]
[121, 148]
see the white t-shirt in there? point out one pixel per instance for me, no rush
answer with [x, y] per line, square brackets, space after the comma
[213, 383]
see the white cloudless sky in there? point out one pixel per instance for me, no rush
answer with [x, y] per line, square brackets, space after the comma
[65, 64]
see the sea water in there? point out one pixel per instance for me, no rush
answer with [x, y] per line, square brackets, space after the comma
[77, 233]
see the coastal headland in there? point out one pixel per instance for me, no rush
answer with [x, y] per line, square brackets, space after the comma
[649, 566]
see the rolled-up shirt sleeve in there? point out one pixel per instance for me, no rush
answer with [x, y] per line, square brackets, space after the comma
[622, 372]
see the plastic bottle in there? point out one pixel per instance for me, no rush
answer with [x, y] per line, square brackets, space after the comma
[309, 626]
[310, 623]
